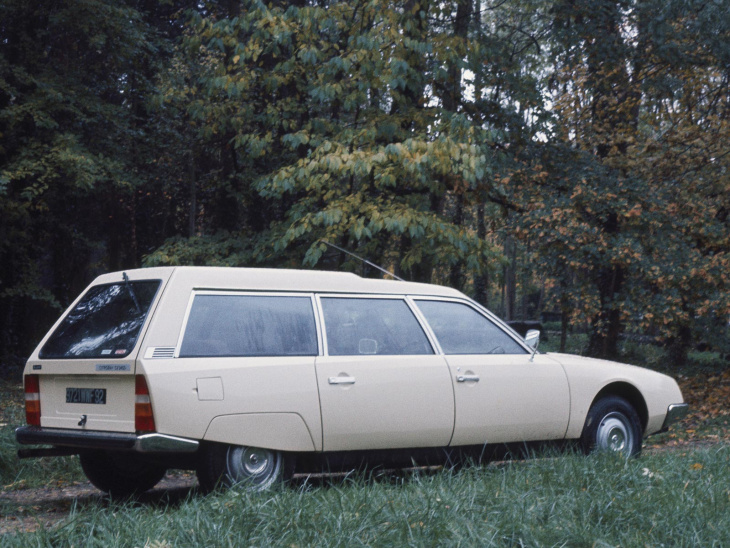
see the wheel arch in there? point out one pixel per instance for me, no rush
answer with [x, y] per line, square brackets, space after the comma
[631, 394]
[276, 431]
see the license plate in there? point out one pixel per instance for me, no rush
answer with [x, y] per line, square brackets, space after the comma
[86, 395]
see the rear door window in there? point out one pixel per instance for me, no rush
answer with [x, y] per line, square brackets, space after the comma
[250, 325]
[357, 326]
[105, 323]
[460, 329]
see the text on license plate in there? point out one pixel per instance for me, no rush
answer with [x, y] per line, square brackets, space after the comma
[86, 395]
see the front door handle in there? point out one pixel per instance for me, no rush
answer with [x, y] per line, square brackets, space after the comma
[341, 380]
[467, 378]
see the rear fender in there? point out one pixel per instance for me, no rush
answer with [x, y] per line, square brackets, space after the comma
[277, 431]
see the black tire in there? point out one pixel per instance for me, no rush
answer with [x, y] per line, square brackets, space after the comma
[257, 469]
[120, 475]
[612, 425]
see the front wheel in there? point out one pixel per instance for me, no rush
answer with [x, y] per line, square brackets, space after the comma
[612, 425]
[256, 468]
[120, 474]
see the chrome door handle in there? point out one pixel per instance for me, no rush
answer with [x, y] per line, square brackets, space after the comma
[341, 380]
[467, 378]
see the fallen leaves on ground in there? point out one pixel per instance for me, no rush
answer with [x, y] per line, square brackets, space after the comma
[708, 420]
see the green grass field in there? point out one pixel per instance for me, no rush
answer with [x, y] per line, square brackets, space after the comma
[670, 499]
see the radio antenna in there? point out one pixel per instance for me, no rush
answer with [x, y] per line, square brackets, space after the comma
[369, 263]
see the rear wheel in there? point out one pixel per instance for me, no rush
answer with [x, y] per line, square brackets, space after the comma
[256, 468]
[612, 425]
[120, 474]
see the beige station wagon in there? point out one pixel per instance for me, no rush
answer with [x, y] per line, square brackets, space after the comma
[241, 374]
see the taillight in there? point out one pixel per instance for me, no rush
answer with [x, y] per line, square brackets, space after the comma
[143, 419]
[32, 400]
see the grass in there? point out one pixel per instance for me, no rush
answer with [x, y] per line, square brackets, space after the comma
[569, 500]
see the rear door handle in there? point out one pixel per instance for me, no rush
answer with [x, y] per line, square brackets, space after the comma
[467, 378]
[341, 380]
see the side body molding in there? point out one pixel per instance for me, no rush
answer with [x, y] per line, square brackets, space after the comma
[278, 431]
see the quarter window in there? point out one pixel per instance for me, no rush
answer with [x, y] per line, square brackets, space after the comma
[357, 326]
[250, 325]
[462, 330]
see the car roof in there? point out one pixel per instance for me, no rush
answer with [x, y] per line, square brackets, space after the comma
[279, 279]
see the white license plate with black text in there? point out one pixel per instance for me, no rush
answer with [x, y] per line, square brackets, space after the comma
[86, 395]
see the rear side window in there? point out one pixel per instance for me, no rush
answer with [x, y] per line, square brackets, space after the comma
[462, 330]
[105, 323]
[250, 325]
[358, 326]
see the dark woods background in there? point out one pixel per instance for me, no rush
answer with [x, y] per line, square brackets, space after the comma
[561, 160]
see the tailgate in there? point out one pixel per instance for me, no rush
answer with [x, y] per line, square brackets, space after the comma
[88, 402]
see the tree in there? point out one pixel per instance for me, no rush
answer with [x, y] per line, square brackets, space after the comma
[74, 78]
[347, 122]
[641, 90]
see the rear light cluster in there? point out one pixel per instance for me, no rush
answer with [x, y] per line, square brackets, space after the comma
[144, 421]
[32, 400]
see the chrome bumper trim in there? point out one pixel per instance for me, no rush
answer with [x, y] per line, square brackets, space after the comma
[162, 443]
[675, 412]
[90, 439]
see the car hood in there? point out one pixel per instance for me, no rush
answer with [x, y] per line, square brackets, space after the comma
[572, 359]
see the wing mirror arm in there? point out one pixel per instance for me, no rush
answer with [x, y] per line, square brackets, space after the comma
[532, 339]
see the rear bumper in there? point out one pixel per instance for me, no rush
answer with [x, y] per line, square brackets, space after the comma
[113, 441]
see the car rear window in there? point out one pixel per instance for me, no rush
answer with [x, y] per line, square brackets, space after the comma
[250, 325]
[105, 323]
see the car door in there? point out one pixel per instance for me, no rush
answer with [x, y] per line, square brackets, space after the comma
[502, 393]
[381, 384]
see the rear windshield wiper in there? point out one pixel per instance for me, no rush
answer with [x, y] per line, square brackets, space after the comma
[131, 291]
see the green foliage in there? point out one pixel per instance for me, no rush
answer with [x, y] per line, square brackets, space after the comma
[632, 209]
[73, 80]
[426, 136]
[221, 249]
[338, 114]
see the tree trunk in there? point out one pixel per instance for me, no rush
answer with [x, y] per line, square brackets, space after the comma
[481, 282]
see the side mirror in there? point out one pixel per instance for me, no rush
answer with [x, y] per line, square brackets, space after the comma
[533, 340]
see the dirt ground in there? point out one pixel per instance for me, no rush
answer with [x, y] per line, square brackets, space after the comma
[46, 506]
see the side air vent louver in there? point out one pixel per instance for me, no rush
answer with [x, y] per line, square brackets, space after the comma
[160, 352]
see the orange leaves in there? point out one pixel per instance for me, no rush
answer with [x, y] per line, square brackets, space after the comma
[708, 421]
[634, 212]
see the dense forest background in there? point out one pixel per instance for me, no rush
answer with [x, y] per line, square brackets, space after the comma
[564, 158]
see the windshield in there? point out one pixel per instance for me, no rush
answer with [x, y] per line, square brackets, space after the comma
[104, 324]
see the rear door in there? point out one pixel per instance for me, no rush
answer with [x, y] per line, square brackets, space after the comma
[381, 384]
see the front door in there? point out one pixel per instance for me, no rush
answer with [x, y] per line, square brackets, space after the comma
[508, 398]
[502, 393]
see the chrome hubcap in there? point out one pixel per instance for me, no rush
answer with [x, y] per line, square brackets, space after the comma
[259, 468]
[614, 434]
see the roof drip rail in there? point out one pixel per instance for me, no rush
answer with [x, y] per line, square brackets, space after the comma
[369, 263]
